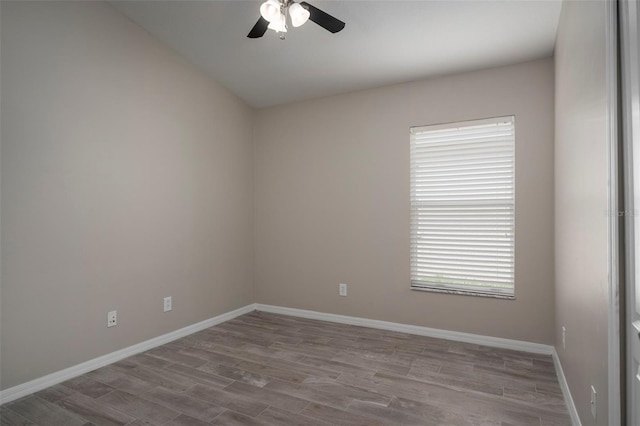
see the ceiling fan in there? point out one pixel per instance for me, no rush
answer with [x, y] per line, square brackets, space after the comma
[274, 16]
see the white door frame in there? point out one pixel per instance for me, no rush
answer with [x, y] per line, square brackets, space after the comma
[614, 249]
[629, 30]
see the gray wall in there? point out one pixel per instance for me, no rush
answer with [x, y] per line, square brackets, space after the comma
[126, 177]
[581, 203]
[332, 201]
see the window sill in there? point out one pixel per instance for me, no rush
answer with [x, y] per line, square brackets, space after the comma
[465, 293]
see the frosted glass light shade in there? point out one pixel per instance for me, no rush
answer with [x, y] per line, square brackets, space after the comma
[299, 15]
[270, 10]
[279, 24]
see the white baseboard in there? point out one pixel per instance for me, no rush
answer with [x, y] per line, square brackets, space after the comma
[44, 382]
[568, 399]
[496, 342]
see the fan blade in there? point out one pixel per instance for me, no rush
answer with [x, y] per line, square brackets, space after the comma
[259, 28]
[323, 19]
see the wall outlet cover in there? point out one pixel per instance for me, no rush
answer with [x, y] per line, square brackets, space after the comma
[112, 318]
[343, 289]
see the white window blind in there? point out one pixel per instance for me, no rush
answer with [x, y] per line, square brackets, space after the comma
[462, 207]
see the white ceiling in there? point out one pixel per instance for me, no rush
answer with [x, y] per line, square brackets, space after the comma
[384, 42]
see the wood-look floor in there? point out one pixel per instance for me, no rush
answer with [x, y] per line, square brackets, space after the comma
[266, 369]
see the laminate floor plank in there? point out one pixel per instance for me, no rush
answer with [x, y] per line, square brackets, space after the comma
[201, 376]
[310, 394]
[546, 420]
[302, 336]
[237, 374]
[305, 369]
[456, 382]
[138, 407]
[11, 418]
[93, 411]
[516, 374]
[184, 420]
[210, 356]
[308, 347]
[282, 361]
[230, 418]
[41, 412]
[268, 396]
[55, 393]
[185, 404]
[89, 387]
[158, 377]
[263, 369]
[234, 356]
[432, 414]
[262, 323]
[174, 355]
[546, 400]
[391, 358]
[252, 332]
[277, 417]
[334, 388]
[552, 388]
[272, 354]
[145, 360]
[450, 396]
[275, 372]
[410, 389]
[372, 364]
[340, 417]
[230, 401]
[119, 380]
[332, 365]
[389, 415]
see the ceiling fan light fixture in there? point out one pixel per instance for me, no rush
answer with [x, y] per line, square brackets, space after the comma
[270, 10]
[273, 16]
[299, 15]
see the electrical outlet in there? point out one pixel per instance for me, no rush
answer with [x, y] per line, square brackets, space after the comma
[594, 395]
[343, 289]
[112, 318]
[564, 338]
[167, 304]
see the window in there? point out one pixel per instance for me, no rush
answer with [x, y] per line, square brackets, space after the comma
[462, 207]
